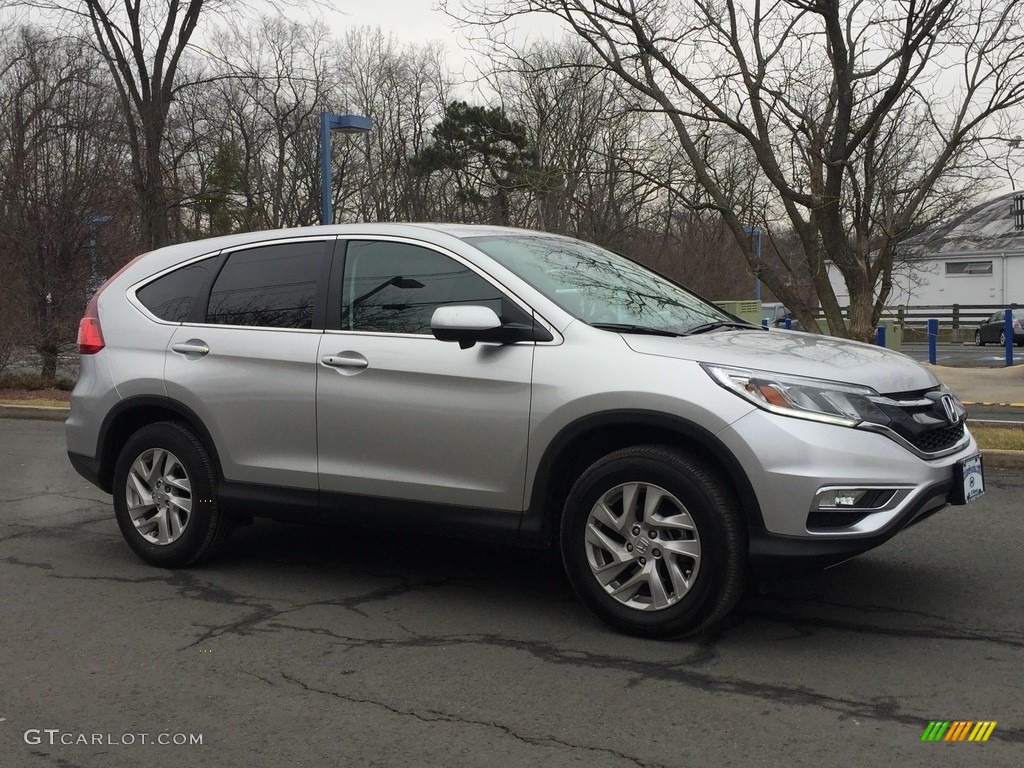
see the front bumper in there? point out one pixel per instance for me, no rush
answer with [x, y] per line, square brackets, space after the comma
[790, 461]
[774, 558]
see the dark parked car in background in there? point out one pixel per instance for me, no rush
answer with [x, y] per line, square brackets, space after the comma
[993, 330]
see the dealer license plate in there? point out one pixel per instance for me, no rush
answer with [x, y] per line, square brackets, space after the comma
[973, 479]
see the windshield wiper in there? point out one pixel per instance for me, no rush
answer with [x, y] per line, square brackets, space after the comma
[627, 328]
[705, 327]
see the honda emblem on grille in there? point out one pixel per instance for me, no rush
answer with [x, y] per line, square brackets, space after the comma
[949, 406]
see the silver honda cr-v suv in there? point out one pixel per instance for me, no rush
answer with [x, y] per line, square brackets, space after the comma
[498, 382]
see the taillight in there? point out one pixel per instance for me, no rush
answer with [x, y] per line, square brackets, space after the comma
[90, 336]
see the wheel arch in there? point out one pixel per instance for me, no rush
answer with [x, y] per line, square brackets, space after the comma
[581, 443]
[130, 415]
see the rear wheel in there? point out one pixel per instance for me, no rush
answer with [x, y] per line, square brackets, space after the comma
[1002, 338]
[652, 542]
[977, 339]
[164, 497]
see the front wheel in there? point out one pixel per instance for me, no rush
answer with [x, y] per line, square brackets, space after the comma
[165, 497]
[977, 339]
[652, 542]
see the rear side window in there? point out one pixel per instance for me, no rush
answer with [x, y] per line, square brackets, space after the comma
[273, 286]
[394, 288]
[172, 296]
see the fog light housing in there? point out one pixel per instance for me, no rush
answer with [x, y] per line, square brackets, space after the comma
[841, 507]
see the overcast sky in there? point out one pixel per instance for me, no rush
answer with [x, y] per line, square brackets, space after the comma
[413, 20]
[420, 21]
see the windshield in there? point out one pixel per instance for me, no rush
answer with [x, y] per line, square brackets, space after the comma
[600, 287]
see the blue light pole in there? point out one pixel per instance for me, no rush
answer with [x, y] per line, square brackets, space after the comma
[343, 124]
[756, 232]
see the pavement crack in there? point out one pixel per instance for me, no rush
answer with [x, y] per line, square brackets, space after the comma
[189, 587]
[437, 716]
[639, 671]
[805, 625]
[27, 563]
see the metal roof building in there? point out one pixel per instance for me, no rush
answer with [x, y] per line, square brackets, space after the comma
[977, 257]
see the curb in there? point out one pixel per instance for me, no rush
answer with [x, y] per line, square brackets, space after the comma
[38, 412]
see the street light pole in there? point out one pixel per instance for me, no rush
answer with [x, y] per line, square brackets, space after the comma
[343, 124]
[756, 232]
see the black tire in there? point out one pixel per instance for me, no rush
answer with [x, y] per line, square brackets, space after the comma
[1002, 338]
[715, 579]
[977, 339]
[173, 467]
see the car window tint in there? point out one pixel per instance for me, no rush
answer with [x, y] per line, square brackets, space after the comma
[171, 297]
[273, 286]
[395, 287]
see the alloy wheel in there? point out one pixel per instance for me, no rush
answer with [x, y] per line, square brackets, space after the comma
[158, 492]
[642, 546]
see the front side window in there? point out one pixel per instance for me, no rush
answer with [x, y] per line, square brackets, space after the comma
[392, 287]
[273, 286]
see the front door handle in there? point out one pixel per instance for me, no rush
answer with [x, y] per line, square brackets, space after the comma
[191, 347]
[351, 360]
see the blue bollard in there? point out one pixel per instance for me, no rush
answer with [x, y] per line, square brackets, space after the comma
[933, 336]
[880, 335]
[764, 322]
[1008, 333]
[789, 323]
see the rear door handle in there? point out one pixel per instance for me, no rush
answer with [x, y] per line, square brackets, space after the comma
[191, 347]
[345, 360]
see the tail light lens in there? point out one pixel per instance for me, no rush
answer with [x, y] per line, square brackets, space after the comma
[90, 335]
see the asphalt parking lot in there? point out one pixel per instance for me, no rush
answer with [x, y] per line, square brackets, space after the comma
[312, 647]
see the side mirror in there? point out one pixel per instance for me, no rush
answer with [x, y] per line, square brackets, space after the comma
[468, 324]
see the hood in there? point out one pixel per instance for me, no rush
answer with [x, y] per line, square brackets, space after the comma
[794, 353]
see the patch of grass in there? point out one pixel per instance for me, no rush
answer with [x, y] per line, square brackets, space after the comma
[999, 438]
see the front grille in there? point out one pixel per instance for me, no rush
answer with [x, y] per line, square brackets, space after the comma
[920, 418]
[937, 440]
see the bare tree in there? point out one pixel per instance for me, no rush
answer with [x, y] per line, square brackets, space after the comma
[863, 119]
[61, 165]
[256, 167]
[144, 46]
[404, 89]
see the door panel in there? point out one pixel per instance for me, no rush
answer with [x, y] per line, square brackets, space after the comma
[423, 419]
[255, 390]
[403, 415]
[249, 371]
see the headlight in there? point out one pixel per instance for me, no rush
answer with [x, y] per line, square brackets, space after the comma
[831, 402]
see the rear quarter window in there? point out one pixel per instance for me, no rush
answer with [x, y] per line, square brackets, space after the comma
[172, 296]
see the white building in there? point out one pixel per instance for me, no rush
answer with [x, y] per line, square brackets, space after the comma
[975, 258]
